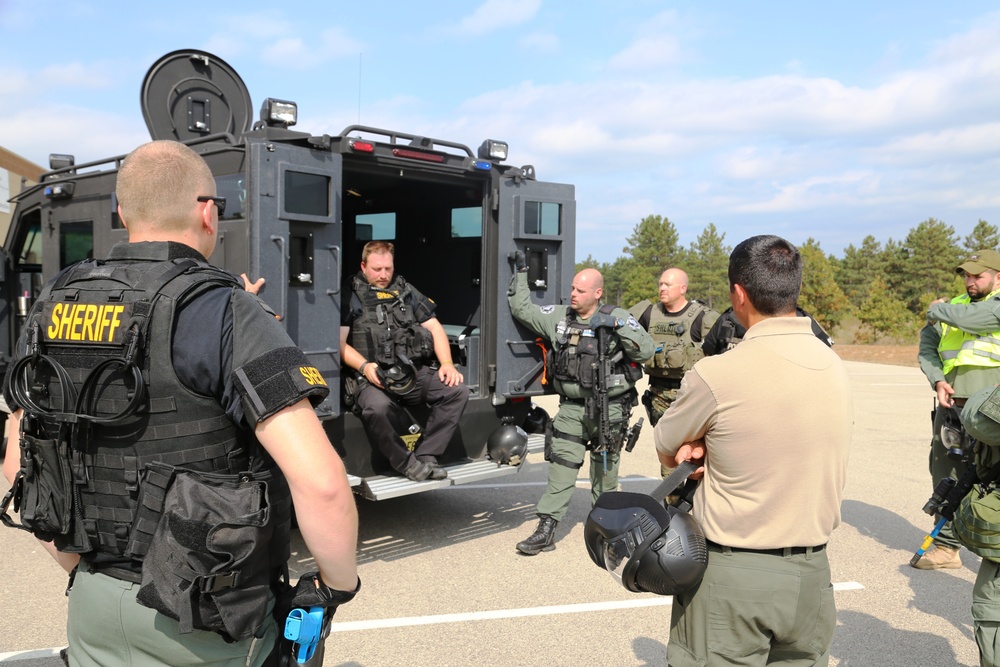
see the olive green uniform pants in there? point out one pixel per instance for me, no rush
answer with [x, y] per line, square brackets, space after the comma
[572, 420]
[106, 626]
[755, 609]
[986, 613]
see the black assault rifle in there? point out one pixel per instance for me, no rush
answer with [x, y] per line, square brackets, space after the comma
[599, 405]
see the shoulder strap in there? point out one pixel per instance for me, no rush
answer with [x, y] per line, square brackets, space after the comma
[644, 318]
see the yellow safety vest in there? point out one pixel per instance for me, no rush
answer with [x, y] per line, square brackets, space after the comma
[961, 348]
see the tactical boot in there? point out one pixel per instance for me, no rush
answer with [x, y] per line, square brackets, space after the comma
[541, 539]
[418, 471]
[940, 558]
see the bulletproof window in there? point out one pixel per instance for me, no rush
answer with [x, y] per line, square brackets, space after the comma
[467, 222]
[307, 194]
[76, 242]
[375, 227]
[542, 218]
[29, 251]
[234, 188]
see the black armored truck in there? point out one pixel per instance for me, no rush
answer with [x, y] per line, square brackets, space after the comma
[300, 207]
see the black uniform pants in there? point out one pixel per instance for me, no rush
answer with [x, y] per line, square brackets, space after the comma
[385, 420]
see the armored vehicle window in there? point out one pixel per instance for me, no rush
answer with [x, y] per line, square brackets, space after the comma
[542, 218]
[467, 222]
[234, 189]
[29, 249]
[76, 242]
[307, 194]
[375, 227]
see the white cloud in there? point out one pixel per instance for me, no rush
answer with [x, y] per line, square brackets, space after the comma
[494, 15]
[540, 42]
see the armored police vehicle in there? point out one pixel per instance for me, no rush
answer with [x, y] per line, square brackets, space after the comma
[300, 207]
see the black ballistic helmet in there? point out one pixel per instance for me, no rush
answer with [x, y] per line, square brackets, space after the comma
[507, 445]
[647, 547]
[399, 378]
[535, 421]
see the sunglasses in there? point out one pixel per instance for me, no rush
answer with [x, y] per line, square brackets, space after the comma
[218, 201]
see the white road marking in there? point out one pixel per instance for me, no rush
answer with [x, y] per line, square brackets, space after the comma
[410, 621]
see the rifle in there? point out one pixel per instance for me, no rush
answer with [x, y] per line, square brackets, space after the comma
[599, 406]
[307, 630]
[944, 502]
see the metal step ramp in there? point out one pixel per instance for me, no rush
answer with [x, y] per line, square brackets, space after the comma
[383, 487]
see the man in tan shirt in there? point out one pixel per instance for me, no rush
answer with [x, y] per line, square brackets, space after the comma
[771, 422]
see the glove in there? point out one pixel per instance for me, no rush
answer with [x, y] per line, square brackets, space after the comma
[310, 591]
[604, 320]
[519, 263]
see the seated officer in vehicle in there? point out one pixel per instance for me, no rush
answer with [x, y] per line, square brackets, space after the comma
[402, 356]
[166, 488]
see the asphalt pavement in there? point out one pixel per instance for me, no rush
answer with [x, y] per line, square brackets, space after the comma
[443, 585]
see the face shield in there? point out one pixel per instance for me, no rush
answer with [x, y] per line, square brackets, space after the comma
[646, 547]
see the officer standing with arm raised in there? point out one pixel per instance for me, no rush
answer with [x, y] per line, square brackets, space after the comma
[390, 336]
[959, 354]
[572, 332]
[193, 412]
[678, 326]
[774, 461]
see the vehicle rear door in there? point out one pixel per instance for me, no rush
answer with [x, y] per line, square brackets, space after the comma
[538, 219]
[294, 203]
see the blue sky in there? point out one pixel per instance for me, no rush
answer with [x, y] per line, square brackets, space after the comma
[829, 121]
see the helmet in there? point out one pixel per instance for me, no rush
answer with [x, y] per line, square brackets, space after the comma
[647, 547]
[398, 378]
[507, 445]
[534, 422]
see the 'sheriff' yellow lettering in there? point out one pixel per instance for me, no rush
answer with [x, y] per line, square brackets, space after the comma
[85, 322]
[312, 375]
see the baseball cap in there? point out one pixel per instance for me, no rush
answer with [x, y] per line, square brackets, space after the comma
[980, 261]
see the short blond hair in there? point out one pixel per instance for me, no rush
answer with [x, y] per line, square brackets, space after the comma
[159, 183]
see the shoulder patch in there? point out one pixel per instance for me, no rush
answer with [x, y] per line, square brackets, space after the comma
[632, 323]
[547, 309]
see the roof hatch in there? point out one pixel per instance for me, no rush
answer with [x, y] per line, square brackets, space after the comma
[189, 94]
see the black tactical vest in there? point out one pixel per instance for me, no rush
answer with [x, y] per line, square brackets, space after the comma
[387, 326]
[95, 390]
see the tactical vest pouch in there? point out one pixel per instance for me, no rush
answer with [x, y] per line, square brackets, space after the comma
[46, 505]
[208, 565]
[977, 524]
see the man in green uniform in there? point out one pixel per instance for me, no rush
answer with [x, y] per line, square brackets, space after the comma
[678, 327]
[959, 354]
[574, 333]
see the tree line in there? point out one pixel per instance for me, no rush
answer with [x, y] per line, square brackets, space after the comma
[877, 291]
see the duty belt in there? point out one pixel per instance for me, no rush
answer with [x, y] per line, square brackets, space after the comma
[786, 551]
[664, 383]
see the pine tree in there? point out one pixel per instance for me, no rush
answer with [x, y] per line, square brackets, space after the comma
[707, 266]
[821, 296]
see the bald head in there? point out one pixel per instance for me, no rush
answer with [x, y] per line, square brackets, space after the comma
[673, 290]
[588, 287]
[158, 188]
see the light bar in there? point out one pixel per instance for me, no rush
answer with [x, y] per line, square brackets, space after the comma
[279, 112]
[60, 191]
[417, 155]
[482, 165]
[363, 146]
[493, 150]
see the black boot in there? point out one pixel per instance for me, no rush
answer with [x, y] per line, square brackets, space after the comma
[541, 539]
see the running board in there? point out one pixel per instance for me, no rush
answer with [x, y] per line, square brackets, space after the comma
[383, 487]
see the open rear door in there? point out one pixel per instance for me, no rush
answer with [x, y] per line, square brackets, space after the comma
[294, 200]
[538, 219]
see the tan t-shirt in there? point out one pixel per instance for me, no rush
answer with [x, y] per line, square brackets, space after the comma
[776, 416]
